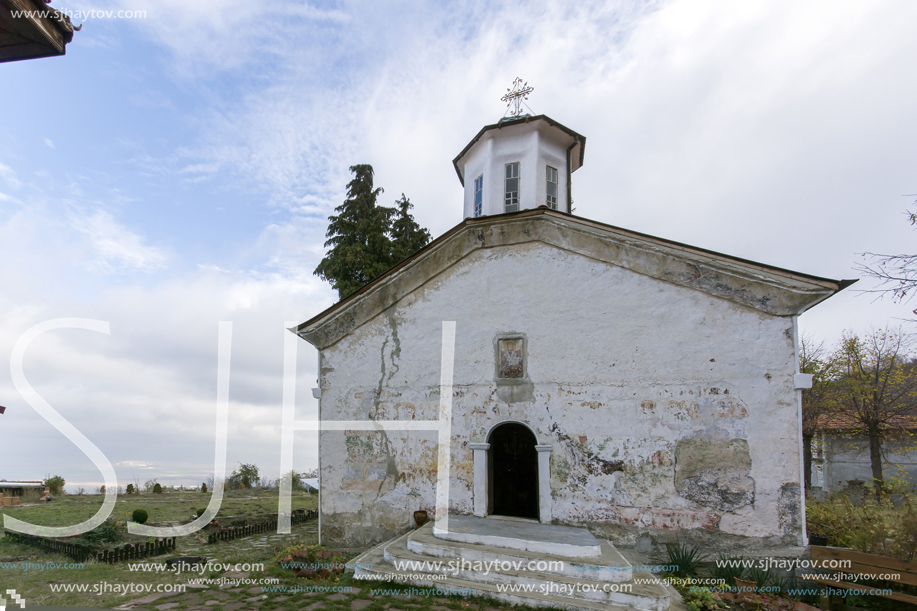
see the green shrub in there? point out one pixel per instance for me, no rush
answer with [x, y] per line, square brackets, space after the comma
[899, 483]
[877, 529]
[762, 577]
[703, 600]
[683, 559]
[55, 483]
[728, 568]
[106, 532]
[30, 495]
[130, 489]
[157, 488]
[203, 487]
[140, 516]
[906, 542]
[200, 512]
[838, 521]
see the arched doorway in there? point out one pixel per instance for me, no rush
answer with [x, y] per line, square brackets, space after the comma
[513, 471]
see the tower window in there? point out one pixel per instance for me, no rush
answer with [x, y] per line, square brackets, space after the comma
[552, 188]
[511, 192]
[478, 195]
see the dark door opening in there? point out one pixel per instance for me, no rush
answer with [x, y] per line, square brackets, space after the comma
[513, 471]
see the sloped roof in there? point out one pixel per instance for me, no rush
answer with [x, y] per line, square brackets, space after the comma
[846, 421]
[578, 141]
[40, 31]
[766, 288]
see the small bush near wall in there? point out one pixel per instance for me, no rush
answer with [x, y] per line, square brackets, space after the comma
[875, 528]
[56, 484]
[30, 495]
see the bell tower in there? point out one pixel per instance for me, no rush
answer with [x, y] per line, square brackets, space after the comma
[521, 162]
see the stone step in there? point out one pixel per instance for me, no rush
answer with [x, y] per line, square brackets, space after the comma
[609, 566]
[371, 565]
[520, 534]
[643, 592]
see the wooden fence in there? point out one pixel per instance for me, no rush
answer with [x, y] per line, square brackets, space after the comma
[238, 532]
[81, 553]
[897, 573]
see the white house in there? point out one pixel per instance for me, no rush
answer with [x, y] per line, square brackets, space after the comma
[602, 377]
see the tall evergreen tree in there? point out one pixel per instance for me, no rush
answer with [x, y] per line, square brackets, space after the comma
[407, 236]
[366, 239]
[358, 236]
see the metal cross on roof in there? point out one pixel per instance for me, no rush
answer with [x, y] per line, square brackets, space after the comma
[515, 96]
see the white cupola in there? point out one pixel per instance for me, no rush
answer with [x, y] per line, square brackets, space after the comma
[519, 163]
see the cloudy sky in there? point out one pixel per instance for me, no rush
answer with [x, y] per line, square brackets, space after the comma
[176, 169]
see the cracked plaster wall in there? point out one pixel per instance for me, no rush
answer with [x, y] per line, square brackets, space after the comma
[667, 408]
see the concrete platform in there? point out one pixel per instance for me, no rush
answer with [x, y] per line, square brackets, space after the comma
[609, 566]
[517, 576]
[522, 535]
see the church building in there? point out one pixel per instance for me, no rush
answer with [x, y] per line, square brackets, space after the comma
[638, 387]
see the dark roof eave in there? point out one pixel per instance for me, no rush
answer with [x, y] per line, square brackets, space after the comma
[577, 137]
[43, 32]
[840, 284]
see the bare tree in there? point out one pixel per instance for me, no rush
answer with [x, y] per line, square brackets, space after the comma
[897, 274]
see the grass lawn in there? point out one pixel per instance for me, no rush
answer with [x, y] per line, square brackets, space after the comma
[166, 507]
[30, 571]
[35, 574]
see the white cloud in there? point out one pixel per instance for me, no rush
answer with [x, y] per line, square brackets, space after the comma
[9, 176]
[151, 384]
[117, 248]
[49, 143]
[777, 132]
[212, 268]
[203, 38]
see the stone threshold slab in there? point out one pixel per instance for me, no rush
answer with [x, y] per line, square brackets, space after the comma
[644, 592]
[520, 534]
[610, 566]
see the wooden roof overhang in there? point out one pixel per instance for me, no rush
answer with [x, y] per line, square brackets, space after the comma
[39, 31]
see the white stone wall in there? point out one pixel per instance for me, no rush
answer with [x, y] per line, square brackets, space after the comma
[846, 457]
[666, 407]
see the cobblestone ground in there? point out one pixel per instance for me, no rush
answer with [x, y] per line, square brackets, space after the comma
[246, 596]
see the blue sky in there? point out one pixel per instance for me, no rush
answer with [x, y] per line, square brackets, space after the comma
[177, 169]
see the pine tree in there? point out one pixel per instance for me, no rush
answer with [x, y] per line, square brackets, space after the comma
[366, 239]
[358, 236]
[407, 235]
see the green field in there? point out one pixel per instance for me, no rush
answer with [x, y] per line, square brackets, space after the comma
[34, 583]
[163, 509]
[35, 575]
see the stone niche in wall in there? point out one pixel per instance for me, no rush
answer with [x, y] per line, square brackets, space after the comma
[511, 368]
